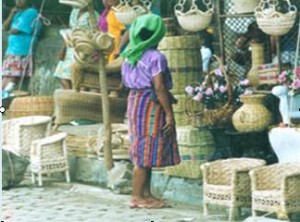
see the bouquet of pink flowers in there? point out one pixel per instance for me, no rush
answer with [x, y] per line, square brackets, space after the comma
[211, 95]
[290, 78]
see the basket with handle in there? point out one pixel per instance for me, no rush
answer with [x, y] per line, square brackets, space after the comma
[273, 22]
[126, 13]
[220, 116]
[194, 20]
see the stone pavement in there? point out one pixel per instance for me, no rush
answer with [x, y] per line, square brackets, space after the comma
[75, 202]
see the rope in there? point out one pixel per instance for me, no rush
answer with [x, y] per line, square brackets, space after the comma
[295, 66]
[46, 22]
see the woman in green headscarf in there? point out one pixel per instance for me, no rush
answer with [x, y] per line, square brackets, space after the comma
[151, 120]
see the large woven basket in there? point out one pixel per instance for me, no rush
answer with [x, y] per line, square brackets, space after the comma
[79, 146]
[184, 59]
[31, 106]
[275, 23]
[245, 6]
[220, 116]
[195, 145]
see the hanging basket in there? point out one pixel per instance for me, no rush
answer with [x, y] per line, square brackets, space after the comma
[220, 116]
[126, 13]
[194, 20]
[245, 6]
[272, 22]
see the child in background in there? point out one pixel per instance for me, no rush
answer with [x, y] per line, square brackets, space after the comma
[206, 49]
[20, 26]
[79, 19]
[109, 23]
[151, 120]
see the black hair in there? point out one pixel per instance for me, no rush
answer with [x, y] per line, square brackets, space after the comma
[145, 34]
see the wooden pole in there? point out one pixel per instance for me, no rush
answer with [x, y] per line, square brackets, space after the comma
[106, 115]
[105, 99]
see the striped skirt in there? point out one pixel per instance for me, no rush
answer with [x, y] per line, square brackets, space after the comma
[149, 146]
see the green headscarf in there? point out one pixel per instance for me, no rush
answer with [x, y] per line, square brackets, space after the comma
[137, 46]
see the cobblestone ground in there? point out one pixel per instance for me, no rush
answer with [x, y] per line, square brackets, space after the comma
[75, 203]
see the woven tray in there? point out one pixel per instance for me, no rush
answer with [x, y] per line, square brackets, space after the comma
[31, 106]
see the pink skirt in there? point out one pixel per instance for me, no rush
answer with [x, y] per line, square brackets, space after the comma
[149, 146]
[16, 66]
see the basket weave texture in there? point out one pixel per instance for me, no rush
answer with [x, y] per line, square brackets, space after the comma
[245, 6]
[19, 133]
[70, 105]
[49, 155]
[276, 188]
[227, 183]
[184, 59]
[194, 147]
[31, 106]
[276, 23]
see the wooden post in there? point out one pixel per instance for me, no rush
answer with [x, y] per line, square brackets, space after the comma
[278, 51]
[106, 115]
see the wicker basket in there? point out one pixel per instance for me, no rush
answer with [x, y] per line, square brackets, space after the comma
[170, 27]
[275, 23]
[245, 6]
[194, 147]
[194, 21]
[253, 115]
[184, 59]
[220, 116]
[126, 14]
[70, 105]
[31, 106]
[79, 146]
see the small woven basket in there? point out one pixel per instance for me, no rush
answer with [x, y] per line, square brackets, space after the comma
[245, 6]
[31, 106]
[194, 21]
[126, 14]
[275, 23]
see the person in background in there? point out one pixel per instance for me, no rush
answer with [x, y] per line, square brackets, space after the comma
[21, 24]
[108, 23]
[151, 120]
[206, 49]
[79, 19]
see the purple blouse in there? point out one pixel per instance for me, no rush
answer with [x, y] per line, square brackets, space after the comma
[141, 75]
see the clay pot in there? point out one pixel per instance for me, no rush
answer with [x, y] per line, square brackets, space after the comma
[253, 115]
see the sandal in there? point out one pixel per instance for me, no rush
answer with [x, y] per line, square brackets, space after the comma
[148, 204]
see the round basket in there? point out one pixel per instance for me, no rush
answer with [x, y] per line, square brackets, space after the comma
[195, 146]
[194, 21]
[126, 14]
[275, 23]
[31, 106]
[245, 6]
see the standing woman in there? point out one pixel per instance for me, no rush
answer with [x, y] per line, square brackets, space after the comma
[20, 26]
[151, 120]
[79, 19]
[108, 23]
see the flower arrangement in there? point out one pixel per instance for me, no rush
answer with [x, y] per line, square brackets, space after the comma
[290, 78]
[212, 93]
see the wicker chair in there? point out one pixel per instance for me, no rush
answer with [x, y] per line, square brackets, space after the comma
[49, 155]
[19, 133]
[227, 183]
[276, 188]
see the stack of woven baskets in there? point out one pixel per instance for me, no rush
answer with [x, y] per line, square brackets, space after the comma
[184, 60]
[195, 146]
